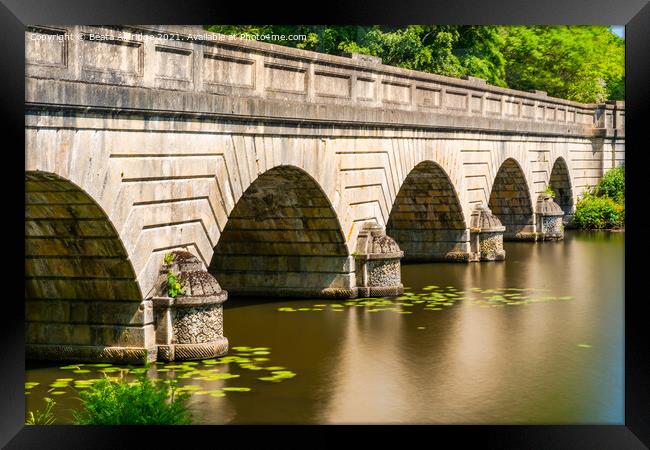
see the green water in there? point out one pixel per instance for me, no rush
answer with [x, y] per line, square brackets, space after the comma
[537, 339]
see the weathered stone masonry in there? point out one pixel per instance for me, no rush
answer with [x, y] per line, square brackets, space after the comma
[264, 162]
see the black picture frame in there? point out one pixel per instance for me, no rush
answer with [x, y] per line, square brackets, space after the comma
[634, 14]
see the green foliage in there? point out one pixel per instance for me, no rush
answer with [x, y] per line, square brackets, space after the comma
[604, 205]
[45, 417]
[582, 63]
[549, 191]
[612, 184]
[598, 212]
[169, 258]
[143, 402]
[173, 285]
[451, 50]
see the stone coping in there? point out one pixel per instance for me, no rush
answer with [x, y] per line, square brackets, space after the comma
[188, 302]
[94, 353]
[490, 230]
[371, 256]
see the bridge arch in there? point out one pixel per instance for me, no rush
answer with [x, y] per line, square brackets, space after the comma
[560, 182]
[427, 219]
[82, 297]
[283, 238]
[511, 202]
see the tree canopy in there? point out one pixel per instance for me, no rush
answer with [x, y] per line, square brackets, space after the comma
[581, 63]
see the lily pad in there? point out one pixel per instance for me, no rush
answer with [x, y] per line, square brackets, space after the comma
[242, 349]
[273, 379]
[236, 389]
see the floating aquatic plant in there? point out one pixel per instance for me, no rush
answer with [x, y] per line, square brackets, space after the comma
[434, 298]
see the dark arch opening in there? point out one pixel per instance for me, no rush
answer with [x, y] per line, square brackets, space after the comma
[560, 182]
[510, 201]
[81, 292]
[283, 238]
[426, 219]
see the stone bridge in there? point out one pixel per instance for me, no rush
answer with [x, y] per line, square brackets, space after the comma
[264, 162]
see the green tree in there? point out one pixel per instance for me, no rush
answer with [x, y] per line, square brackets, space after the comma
[582, 63]
[450, 50]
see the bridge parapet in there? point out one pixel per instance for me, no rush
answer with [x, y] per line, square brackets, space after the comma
[610, 118]
[249, 78]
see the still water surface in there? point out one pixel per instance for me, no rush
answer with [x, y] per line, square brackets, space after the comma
[476, 348]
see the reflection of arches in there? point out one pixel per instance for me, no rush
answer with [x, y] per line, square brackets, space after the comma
[82, 298]
[560, 182]
[426, 219]
[510, 201]
[283, 239]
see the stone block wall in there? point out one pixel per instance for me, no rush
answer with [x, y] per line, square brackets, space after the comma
[427, 219]
[80, 289]
[283, 236]
[510, 201]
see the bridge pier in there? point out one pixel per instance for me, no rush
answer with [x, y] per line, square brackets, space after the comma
[549, 219]
[188, 325]
[487, 235]
[377, 259]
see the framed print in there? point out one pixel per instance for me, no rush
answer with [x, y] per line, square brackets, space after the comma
[411, 221]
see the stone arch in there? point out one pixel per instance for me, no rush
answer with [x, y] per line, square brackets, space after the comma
[427, 219]
[283, 238]
[560, 182]
[510, 201]
[82, 298]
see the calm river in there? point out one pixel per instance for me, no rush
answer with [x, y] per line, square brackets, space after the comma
[537, 339]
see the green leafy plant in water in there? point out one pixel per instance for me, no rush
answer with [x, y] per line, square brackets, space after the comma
[45, 417]
[173, 285]
[119, 402]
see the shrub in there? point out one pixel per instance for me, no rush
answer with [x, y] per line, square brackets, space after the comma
[169, 258]
[603, 206]
[45, 417]
[142, 402]
[612, 185]
[173, 285]
[549, 191]
[598, 212]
